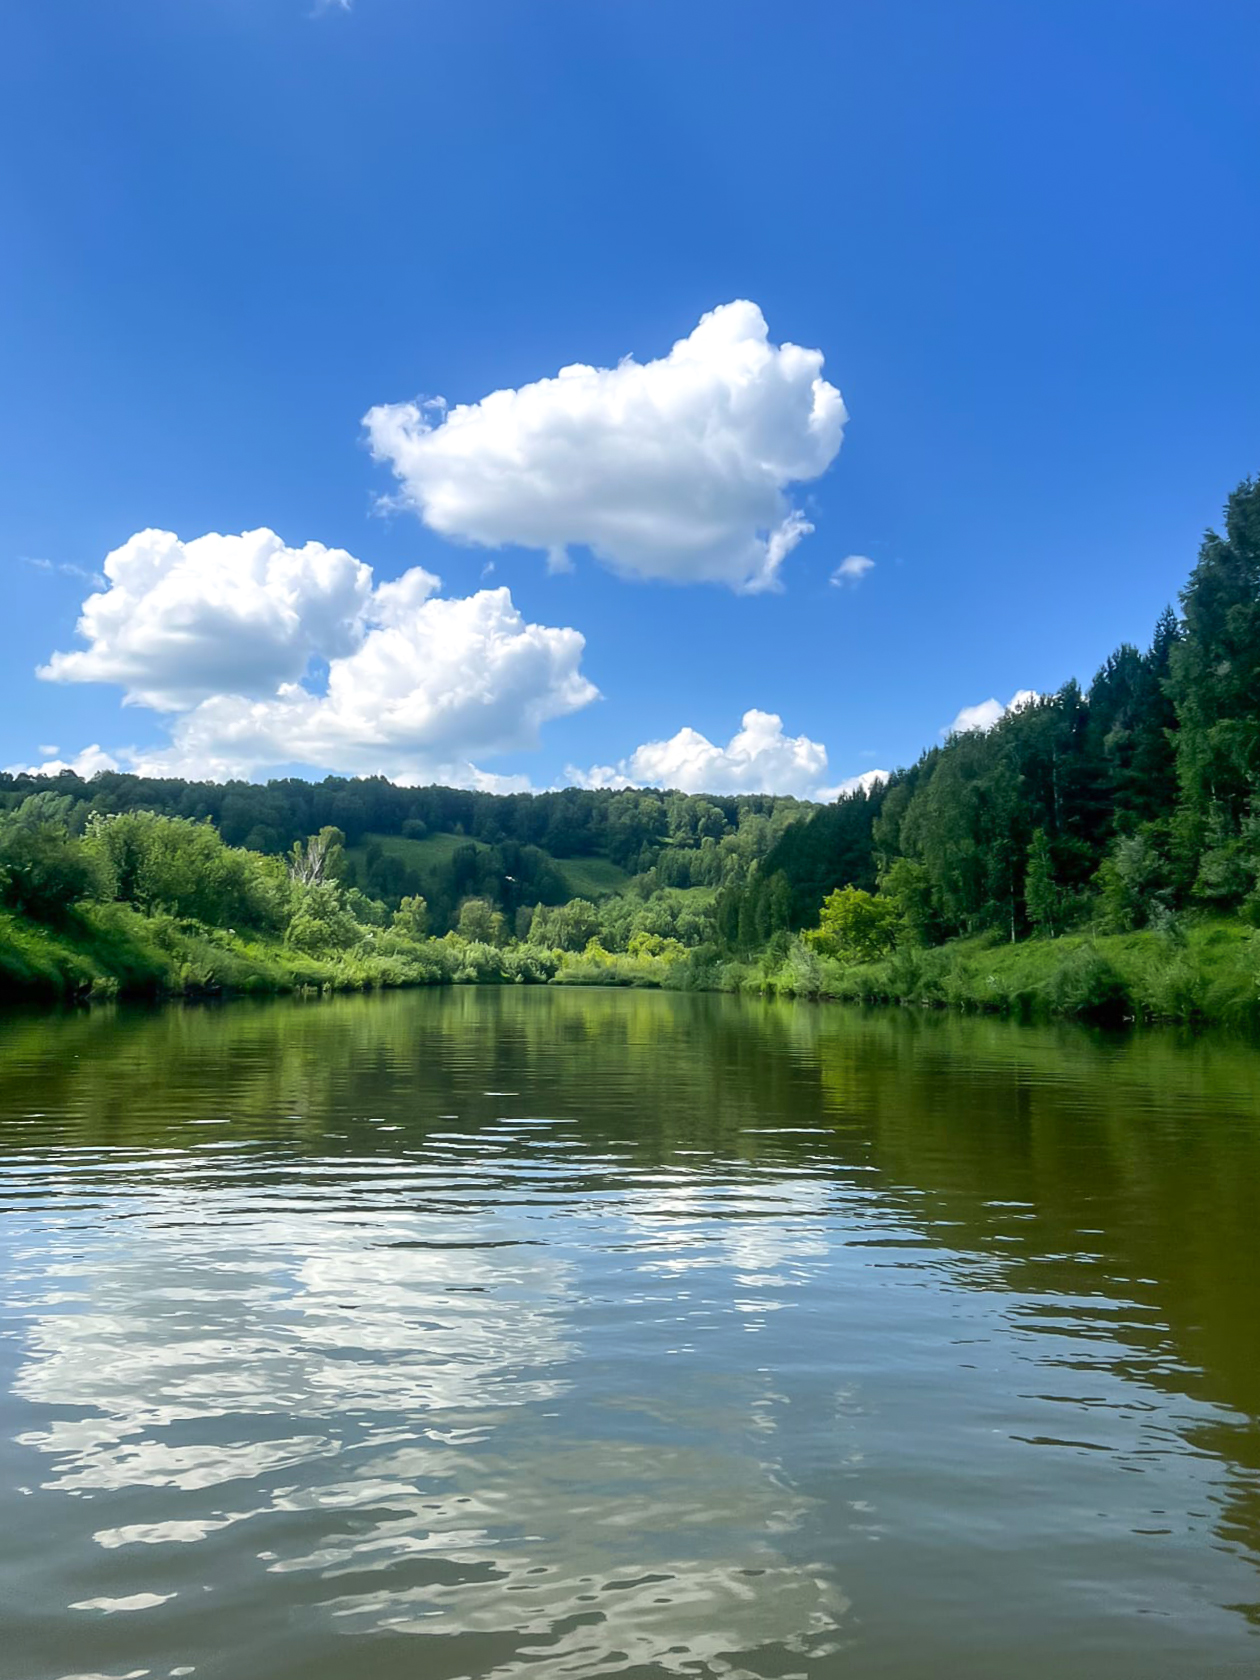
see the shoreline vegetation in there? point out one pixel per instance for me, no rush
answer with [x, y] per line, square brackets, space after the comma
[1091, 854]
[1204, 973]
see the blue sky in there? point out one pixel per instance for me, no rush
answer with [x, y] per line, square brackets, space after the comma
[1022, 239]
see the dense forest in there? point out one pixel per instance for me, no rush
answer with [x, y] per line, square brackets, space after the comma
[1109, 836]
[1119, 805]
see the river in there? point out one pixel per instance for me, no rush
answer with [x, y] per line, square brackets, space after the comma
[532, 1332]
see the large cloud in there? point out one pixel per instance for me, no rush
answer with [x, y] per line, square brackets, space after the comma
[180, 621]
[986, 713]
[674, 468]
[417, 685]
[759, 758]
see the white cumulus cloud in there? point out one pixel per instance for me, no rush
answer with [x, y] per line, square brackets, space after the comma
[676, 468]
[417, 685]
[85, 763]
[759, 758]
[986, 713]
[866, 782]
[850, 572]
[179, 621]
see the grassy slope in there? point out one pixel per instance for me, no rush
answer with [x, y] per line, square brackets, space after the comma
[111, 949]
[591, 877]
[584, 877]
[1208, 972]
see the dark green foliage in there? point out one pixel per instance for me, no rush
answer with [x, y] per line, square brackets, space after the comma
[44, 871]
[1214, 670]
[829, 848]
[1117, 808]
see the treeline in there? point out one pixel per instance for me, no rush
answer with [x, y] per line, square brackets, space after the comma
[138, 902]
[96, 899]
[1115, 808]
[511, 845]
[630, 826]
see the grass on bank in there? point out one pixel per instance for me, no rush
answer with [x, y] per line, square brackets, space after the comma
[1198, 971]
[110, 950]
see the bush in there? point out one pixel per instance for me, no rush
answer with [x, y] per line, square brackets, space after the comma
[801, 974]
[528, 965]
[1085, 984]
[320, 923]
[855, 925]
[44, 873]
[183, 868]
[477, 962]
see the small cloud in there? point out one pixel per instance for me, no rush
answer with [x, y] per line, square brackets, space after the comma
[65, 568]
[849, 573]
[759, 758]
[864, 783]
[988, 712]
[86, 764]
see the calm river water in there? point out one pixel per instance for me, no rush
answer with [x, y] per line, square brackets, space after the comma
[507, 1333]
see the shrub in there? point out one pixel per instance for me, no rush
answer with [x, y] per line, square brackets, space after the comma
[44, 873]
[1086, 985]
[801, 974]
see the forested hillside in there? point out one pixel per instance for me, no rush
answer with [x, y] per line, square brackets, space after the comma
[125, 883]
[1117, 807]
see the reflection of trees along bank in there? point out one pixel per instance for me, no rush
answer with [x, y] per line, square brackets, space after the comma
[758, 1314]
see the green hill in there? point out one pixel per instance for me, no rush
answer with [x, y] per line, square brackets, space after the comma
[430, 860]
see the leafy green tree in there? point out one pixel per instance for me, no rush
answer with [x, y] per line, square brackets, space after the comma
[1042, 895]
[321, 925]
[855, 925]
[412, 918]
[183, 868]
[568, 927]
[368, 912]
[1214, 669]
[907, 885]
[1133, 880]
[480, 922]
[45, 872]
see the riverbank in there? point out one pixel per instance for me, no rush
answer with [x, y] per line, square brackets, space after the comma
[1201, 971]
[111, 950]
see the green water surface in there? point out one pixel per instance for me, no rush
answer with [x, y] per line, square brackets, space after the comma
[507, 1332]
